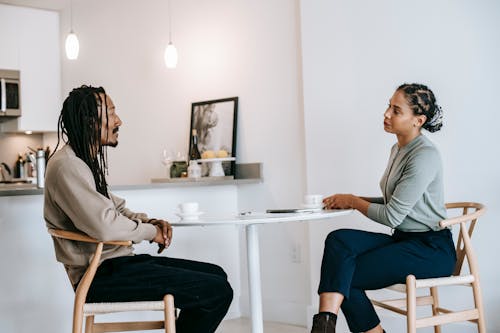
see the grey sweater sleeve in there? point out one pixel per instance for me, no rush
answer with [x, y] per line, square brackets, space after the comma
[419, 171]
[120, 205]
[93, 213]
[377, 200]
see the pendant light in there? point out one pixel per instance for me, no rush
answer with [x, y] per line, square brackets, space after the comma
[72, 45]
[170, 51]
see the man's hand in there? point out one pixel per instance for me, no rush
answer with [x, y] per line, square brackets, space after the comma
[163, 234]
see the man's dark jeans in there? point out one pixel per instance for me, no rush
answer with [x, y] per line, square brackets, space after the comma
[200, 290]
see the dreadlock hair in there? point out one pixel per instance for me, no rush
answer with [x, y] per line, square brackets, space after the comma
[423, 102]
[79, 125]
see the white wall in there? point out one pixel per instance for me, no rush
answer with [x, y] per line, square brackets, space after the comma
[355, 53]
[226, 48]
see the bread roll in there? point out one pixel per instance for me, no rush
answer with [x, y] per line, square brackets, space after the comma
[222, 154]
[208, 154]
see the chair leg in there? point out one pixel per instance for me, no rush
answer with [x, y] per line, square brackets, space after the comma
[411, 304]
[478, 301]
[77, 318]
[169, 314]
[89, 324]
[435, 305]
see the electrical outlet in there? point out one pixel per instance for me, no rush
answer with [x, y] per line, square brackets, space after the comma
[296, 253]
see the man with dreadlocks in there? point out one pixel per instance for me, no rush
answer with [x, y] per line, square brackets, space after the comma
[77, 199]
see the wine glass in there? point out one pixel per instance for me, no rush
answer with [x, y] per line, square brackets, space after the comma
[167, 158]
[180, 156]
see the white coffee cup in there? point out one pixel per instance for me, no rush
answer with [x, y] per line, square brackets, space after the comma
[188, 208]
[313, 199]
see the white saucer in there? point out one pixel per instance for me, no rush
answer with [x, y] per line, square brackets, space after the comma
[190, 216]
[313, 207]
[314, 210]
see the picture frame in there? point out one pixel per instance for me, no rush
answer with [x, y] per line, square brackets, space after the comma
[215, 122]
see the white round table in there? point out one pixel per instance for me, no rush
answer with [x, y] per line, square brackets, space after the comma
[251, 221]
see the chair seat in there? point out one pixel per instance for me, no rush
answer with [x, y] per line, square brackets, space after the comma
[435, 282]
[100, 308]
[400, 288]
[82, 310]
[469, 212]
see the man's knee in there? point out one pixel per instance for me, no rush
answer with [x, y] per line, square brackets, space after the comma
[223, 291]
[227, 291]
[220, 271]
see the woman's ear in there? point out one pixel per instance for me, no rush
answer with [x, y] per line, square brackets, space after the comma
[421, 120]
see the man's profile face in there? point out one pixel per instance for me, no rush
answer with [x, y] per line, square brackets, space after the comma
[109, 126]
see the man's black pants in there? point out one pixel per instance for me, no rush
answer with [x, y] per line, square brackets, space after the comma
[200, 290]
[355, 261]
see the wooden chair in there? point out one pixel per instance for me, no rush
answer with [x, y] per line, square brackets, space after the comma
[82, 309]
[407, 306]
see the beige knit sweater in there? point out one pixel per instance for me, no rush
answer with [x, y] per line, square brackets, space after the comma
[73, 203]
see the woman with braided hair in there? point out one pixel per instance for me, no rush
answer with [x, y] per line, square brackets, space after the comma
[77, 199]
[412, 204]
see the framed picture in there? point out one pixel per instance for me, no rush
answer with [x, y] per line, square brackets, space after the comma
[215, 123]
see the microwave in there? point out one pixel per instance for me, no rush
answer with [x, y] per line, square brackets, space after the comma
[10, 98]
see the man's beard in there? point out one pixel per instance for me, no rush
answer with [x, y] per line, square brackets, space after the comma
[115, 143]
[112, 144]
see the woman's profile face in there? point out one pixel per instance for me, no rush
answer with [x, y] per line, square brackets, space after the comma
[399, 118]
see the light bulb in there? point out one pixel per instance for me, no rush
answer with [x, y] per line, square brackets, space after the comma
[72, 46]
[171, 56]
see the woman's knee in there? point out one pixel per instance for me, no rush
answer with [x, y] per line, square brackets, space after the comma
[337, 236]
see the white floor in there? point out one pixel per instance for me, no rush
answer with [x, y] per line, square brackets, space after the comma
[243, 325]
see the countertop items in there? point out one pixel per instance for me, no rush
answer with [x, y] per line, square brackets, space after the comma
[5, 173]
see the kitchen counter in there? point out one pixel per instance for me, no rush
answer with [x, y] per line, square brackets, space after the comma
[19, 189]
[34, 267]
[248, 173]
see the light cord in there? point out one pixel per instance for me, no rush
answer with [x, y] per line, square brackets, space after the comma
[169, 23]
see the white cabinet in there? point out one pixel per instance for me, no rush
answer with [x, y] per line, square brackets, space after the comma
[9, 54]
[31, 38]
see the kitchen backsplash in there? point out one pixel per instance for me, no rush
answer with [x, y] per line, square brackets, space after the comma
[13, 144]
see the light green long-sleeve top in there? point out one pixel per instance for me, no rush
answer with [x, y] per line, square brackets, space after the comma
[412, 188]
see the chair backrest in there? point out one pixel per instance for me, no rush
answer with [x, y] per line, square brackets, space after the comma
[471, 211]
[86, 280]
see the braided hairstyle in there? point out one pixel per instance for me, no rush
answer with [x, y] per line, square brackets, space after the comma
[422, 101]
[79, 126]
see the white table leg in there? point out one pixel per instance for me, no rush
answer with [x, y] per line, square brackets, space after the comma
[254, 278]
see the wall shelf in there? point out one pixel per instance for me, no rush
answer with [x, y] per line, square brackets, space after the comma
[248, 173]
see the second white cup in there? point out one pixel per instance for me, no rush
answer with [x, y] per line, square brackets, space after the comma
[189, 208]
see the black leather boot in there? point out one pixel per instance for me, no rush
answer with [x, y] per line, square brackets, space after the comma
[324, 323]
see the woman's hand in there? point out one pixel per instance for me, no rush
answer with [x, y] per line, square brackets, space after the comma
[163, 234]
[347, 201]
[339, 201]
